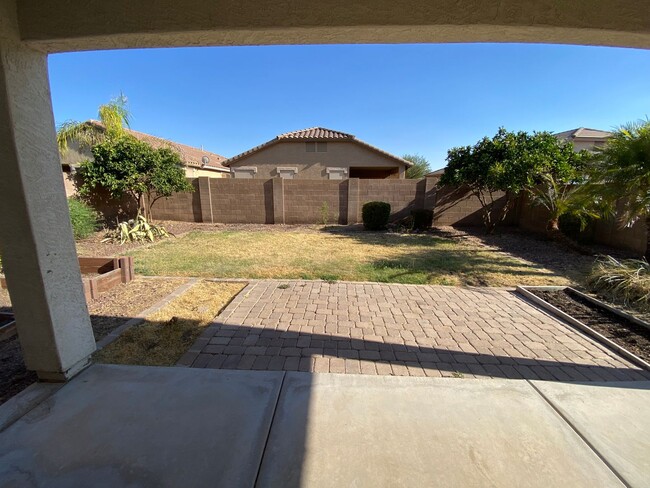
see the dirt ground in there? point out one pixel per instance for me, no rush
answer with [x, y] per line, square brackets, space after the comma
[107, 312]
[623, 332]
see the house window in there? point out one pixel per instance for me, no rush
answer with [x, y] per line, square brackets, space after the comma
[286, 173]
[316, 146]
[337, 173]
[244, 172]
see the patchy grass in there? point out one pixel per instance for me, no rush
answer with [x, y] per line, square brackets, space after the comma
[353, 256]
[163, 338]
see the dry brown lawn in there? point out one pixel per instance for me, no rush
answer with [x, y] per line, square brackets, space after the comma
[350, 256]
[163, 338]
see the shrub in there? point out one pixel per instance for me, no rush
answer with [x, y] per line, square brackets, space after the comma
[324, 213]
[576, 228]
[375, 215]
[83, 217]
[136, 230]
[422, 218]
[627, 280]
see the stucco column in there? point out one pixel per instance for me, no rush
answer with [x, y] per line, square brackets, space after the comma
[278, 200]
[353, 201]
[430, 193]
[205, 197]
[38, 252]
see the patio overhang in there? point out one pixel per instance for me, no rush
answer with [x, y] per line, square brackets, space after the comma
[95, 24]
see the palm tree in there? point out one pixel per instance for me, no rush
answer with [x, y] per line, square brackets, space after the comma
[561, 198]
[620, 177]
[114, 116]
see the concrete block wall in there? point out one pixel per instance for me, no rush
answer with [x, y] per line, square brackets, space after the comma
[241, 201]
[181, 206]
[403, 195]
[304, 199]
[459, 206]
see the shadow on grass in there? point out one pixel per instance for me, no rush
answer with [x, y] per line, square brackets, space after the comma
[468, 252]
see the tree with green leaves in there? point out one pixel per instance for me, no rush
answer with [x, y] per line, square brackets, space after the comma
[124, 165]
[420, 166]
[498, 169]
[114, 117]
[619, 176]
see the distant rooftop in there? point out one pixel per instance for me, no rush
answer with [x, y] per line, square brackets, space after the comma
[583, 133]
[191, 156]
[314, 134]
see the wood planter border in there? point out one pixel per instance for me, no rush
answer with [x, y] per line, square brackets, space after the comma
[597, 336]
[111, 272]
[9, 329]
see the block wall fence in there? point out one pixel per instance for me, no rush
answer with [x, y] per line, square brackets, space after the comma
[284, 201]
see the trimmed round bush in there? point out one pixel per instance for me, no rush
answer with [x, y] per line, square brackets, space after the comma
[422, 218]
[83, 217]
[375, 215]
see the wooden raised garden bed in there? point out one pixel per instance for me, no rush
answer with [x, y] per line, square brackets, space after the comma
[619, 331]
[101, 274]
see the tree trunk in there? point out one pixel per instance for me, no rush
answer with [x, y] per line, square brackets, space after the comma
[553, 231]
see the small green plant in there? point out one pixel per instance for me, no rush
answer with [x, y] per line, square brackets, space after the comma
[283, 286]
[324, 213]
[136, 230]
[457, 374]
[375, 215]
[328, 278]
[422, 219]
[627, 280]
[83, 218]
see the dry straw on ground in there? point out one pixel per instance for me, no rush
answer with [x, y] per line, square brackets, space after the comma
[163, 338]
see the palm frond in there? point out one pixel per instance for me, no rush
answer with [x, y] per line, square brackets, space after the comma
[84, 134]
[115, 115]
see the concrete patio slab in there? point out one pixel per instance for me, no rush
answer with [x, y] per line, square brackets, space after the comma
[142, 426]
[613, 418]
[353, 430]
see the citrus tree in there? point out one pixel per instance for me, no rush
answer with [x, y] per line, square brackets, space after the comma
[498, 169]
[124, 165]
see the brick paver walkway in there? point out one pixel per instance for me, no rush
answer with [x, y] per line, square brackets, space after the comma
[413, 330]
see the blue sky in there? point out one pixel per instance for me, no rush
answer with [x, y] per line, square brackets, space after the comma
[420, 99]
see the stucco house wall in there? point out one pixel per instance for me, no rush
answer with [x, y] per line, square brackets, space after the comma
[314, 165]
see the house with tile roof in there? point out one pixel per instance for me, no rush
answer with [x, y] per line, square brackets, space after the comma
[584, 138]
[196, 161]
[316, 153]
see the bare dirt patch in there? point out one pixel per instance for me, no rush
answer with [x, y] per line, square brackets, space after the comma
[168, 334]
[633, 337]
[126, 301]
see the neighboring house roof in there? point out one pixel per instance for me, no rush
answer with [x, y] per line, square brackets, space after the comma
[314, 134]
[438, 172]
[191, 156]
[583, 133]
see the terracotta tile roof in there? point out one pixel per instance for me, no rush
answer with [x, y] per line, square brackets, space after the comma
[583, 133]
[314, 134]
[191, 156]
